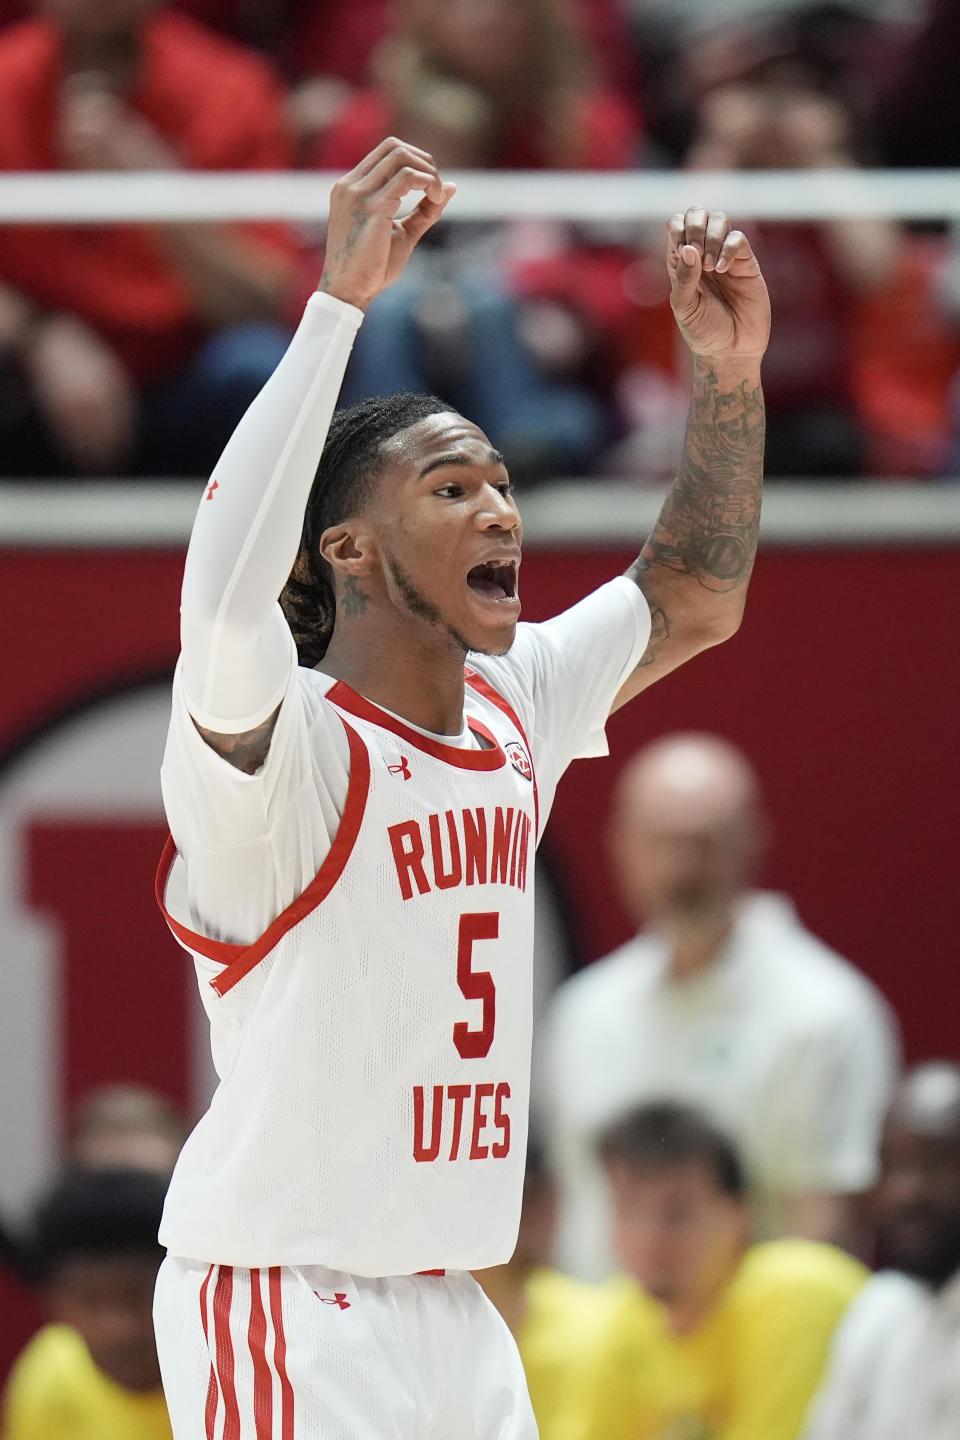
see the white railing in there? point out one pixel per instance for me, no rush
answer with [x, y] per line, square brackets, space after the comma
[637, 195]
[588, 513]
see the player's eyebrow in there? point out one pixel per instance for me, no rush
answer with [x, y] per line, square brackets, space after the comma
[457, 457]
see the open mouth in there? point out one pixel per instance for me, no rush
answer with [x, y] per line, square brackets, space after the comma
[494, 582]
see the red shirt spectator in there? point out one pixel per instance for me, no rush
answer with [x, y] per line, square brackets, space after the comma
[215, 105]
[606, 136]
[509, 84]
[906, 356]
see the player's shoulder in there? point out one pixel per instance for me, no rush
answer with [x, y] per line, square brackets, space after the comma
[315, 688]
[538, 646]
[511, 677]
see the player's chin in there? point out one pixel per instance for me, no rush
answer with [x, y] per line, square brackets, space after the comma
[491, 625]
[489, 641]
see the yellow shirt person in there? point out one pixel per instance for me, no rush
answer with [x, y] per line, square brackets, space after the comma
[93, 1374]
[747, 1372]
[709, 1338]
[56, 1392]
[559, 1316]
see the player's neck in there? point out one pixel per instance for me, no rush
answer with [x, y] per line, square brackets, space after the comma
[399, 668]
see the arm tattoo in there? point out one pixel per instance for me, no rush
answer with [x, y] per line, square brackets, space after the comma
[355, 600]
[707, 530]
[246, 750]
[709, 523]
[358, 219]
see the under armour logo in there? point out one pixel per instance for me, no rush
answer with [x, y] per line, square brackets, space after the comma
[338, 1299]
[402, 769]
[214, 486]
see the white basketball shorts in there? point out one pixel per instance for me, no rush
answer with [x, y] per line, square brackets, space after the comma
[313, 1354]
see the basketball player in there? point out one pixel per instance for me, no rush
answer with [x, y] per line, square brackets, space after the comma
[355, 836]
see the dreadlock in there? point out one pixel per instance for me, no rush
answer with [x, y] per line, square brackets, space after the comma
[350, 461]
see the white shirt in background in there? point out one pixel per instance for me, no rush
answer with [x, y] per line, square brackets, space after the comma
[787, 1045]
[895, 1367]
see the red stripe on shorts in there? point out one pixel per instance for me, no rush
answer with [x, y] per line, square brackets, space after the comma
[280, 1356]
[262, 1379]
[210, 1414]
[222, 1300]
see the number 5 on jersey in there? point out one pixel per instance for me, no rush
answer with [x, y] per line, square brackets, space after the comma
[476, 985]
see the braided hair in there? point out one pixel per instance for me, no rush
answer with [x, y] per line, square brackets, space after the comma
[349, 463]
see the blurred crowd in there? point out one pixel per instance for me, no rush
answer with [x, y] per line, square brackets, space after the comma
[741, 1216]
[133, 350]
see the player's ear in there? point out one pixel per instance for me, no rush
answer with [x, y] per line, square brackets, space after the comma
[349, 548]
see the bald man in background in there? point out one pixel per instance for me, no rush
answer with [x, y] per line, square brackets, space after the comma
[724, 1000]
[895, 1369]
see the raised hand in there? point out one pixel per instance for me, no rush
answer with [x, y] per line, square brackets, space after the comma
[367, 246]
[717, 292]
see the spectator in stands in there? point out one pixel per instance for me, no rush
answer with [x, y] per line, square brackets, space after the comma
[895, 1370]
[125, 1126]
[906, 362]
[486, 83]
[852, 37]
[548, 1313]
[134, 349]
[777, 99]
[93, 1373]
[508, 84]
[725, 1001]
[707, 1335]
[326, 49]
[917, 112]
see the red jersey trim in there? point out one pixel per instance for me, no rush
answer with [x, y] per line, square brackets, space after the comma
[213, 1393]
[224, 1353]
[484, 688]
[280, 1353]
[493, 759]
[239, 960]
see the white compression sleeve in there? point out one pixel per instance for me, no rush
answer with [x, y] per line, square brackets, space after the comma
[236, 647]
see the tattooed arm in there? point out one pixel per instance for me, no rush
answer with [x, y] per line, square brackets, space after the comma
[695, 567]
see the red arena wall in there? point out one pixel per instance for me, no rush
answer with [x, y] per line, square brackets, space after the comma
[842, 686]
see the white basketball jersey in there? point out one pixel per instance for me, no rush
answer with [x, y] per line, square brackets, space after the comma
[373, 1046]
